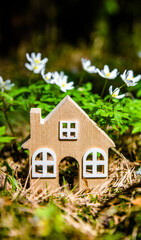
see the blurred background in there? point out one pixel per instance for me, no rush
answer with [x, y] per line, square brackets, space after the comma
[105, 31]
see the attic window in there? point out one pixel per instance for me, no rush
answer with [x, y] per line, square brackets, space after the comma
[95, 164]
[69, 130]
[44, 163]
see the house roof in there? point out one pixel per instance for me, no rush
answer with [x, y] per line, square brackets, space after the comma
[65, 99]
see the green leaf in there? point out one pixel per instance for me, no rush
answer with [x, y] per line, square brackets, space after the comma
[2, 130]
[6, 139]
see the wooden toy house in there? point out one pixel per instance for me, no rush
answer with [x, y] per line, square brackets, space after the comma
[66, 132]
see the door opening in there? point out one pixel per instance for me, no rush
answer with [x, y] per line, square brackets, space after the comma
[69, 173]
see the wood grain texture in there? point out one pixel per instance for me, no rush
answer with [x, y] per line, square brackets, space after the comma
[44, 133]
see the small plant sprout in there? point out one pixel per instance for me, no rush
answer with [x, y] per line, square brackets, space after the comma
[5, 85]
[47, 76]
[105, 73]
[115, 93]
[86, 64]
[35, 63]
[129, 79]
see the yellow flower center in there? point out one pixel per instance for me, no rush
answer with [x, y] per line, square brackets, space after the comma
[36, 67]
[37, 61]
[108, 74]
[114, 95]
[63, 84]
[47, 78]
[130, 78]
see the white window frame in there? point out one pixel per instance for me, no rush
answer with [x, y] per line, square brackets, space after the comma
[94, 163]
[69, 130]
[44, 163]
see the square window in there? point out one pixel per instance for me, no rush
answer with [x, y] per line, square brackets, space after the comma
[64, 125]
[100, 168]
[72, 134]
[64, 134]
[72, 125]
[89, 169]
[68, 130]
[39, 169]
[50, 169]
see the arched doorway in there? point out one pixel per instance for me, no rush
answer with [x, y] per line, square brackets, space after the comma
[69, 173]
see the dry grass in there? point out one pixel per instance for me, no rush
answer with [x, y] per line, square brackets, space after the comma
[82, 210]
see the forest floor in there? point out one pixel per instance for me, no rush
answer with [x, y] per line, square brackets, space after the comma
[112, 211]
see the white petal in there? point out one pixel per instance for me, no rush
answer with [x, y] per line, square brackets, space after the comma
[70, 84]
[1, 80]
[70, 88]
[116, 91]
[101, 73]
[43, 72]
[65, 78]
[123, 76]
[134, 84]
[29, 58]
[62, 74]
[114, 73]
[7, 82]
[9, 86]
[28, 66]
[130, 74]
[106, 69]
[137, 78]
[39, 69]
[63, 89]
[85, 63]
[38, 56]
[33, 55]
[45, 60]
[120, 96]
[92, 69]
[111, 89]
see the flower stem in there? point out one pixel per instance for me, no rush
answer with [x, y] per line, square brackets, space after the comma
[6, 116]
[8, 123]
[104, 88]
[122, 85]
[30, 78]
[81, 79]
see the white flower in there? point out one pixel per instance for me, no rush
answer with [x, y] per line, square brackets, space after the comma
[86, 64]
[64, 86]
[129, 79]
[5, 85]
[47, 76]
[35, 63]
[115, 93]
[61, 81]
[56, 77]
[105, 73]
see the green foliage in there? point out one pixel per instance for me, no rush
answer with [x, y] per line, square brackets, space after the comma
[51, 223]
[110, 114]
[3, 138]
[120, 115]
